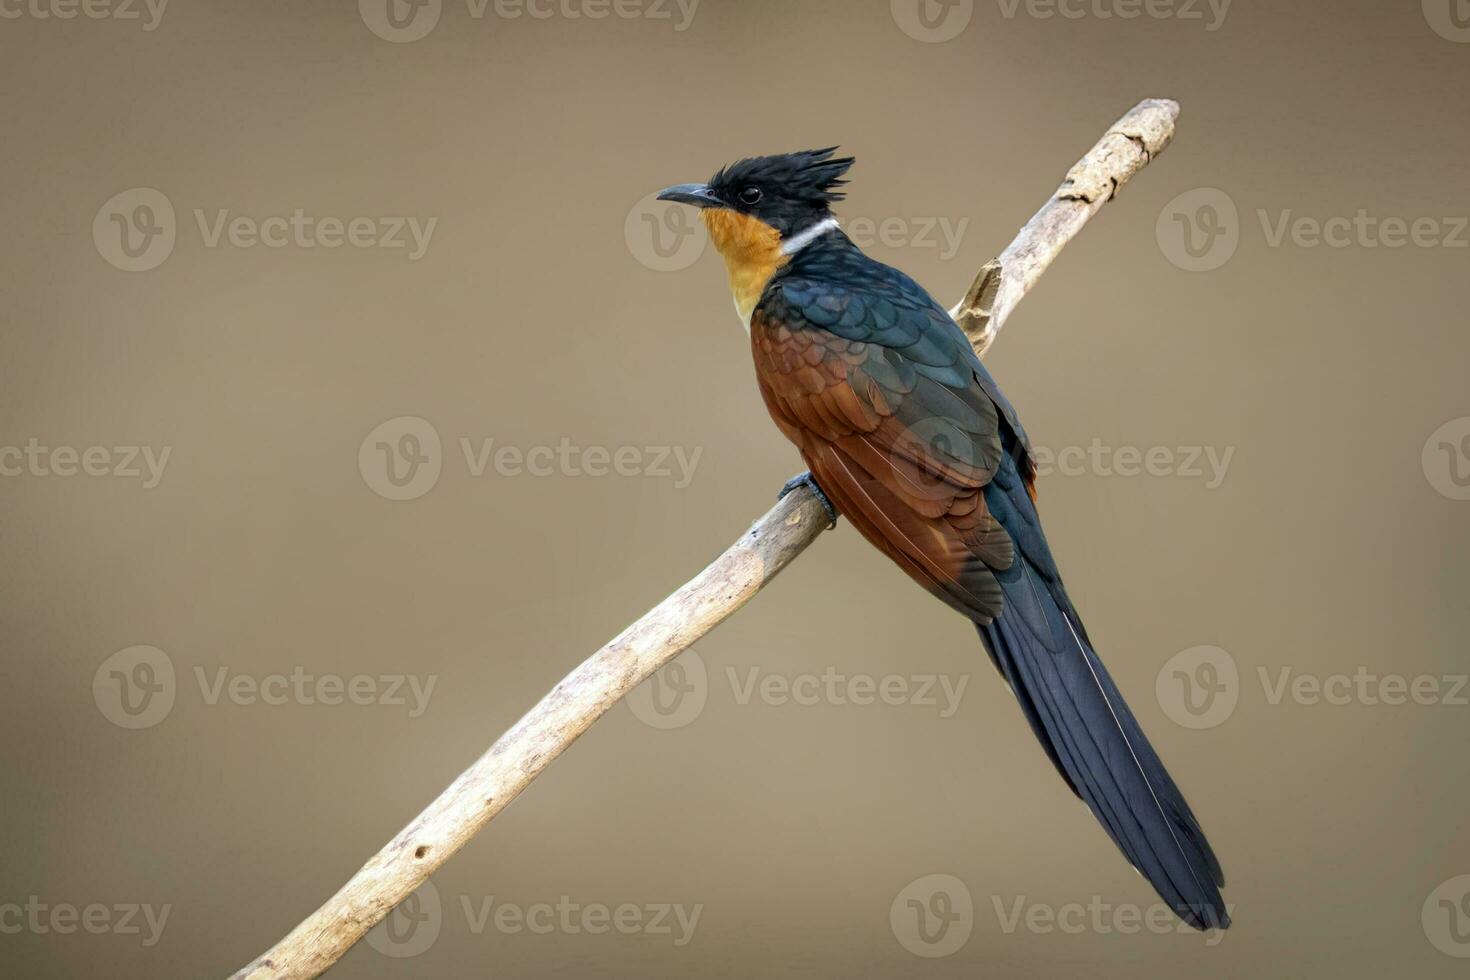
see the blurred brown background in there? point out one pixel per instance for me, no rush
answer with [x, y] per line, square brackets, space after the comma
[263, 568]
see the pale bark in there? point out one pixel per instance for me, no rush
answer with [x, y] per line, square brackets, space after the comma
[1124, 150]
[584, 695]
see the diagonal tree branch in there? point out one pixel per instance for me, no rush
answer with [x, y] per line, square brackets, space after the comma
[671, 627]
[1124, 150]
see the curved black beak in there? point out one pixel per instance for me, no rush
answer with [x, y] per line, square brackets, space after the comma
[696, 194]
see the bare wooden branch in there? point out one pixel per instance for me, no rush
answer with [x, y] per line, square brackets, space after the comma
[671, 627]
[1125, 149]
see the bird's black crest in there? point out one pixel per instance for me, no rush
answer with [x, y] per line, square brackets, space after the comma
[790, 191]
[807, 177]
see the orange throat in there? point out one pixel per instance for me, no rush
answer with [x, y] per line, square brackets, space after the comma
[752, 252]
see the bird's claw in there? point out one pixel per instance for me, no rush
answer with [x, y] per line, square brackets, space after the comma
[806, 480]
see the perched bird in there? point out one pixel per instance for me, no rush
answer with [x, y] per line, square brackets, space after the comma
[906, 433]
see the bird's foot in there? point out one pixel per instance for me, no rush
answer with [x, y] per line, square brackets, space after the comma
[806, 480]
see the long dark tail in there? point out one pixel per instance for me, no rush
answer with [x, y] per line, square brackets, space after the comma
[1042, 650]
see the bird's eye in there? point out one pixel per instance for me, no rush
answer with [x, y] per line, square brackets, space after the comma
[751, 195]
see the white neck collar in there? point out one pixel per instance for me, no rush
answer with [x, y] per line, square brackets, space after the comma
[796, 243]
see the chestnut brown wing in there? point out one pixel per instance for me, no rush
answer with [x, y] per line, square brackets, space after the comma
[903, 454]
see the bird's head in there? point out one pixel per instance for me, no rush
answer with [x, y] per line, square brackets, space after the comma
[787, 193]
[759, 211]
